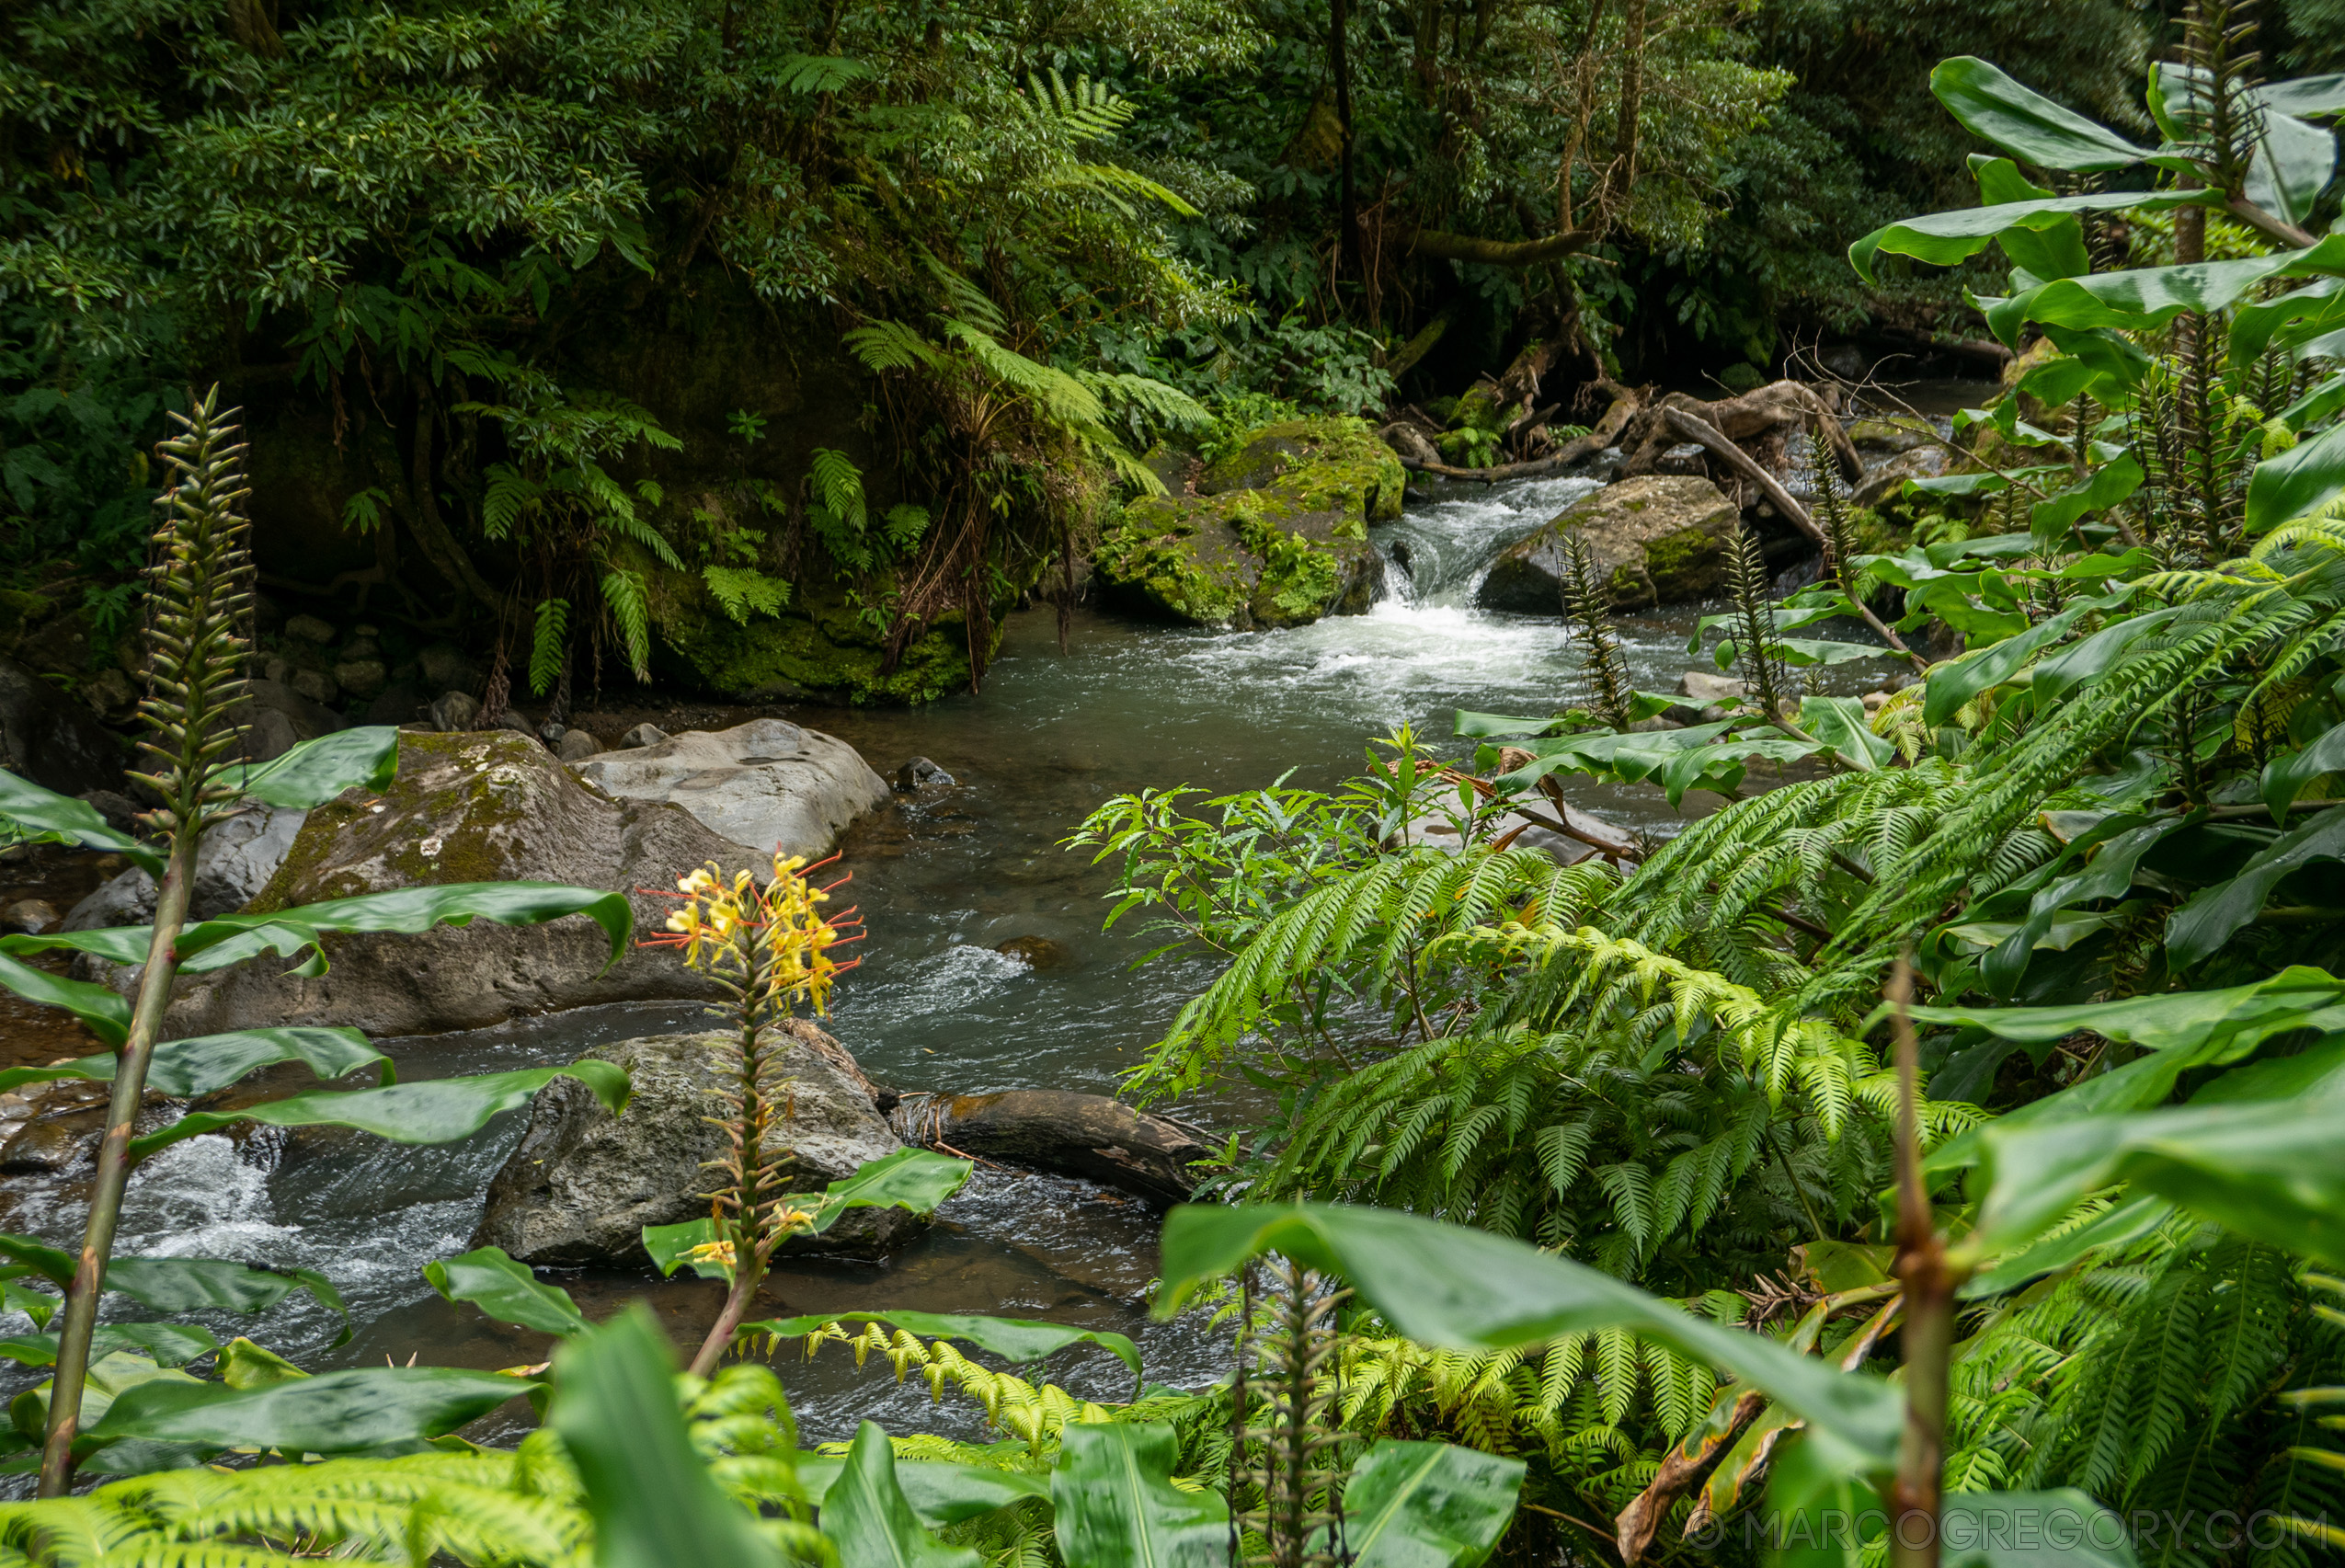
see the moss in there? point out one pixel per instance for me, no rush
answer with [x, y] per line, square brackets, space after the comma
[821, 645]
[1324, 464]
[1479, 410]
[19, 612]
[1685, 564]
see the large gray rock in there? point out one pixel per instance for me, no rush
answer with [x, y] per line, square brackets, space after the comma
[583, 1184]
[276, 718]
[484, 807]
[1656, 539]
[47, 738]
[768, 783]
[237, 858]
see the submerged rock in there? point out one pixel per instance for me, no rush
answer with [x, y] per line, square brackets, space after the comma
[1656, 539]
[485, 806]
[768, 783]
[234, 863]
[1277, 534]
[583, 1184]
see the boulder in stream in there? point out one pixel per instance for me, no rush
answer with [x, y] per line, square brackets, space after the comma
[236, 860]
[486, 806]
[1656, 539]
[768, 783]
[583, 1184]
[1090, 1135]
[1274, 535]
[47, 738]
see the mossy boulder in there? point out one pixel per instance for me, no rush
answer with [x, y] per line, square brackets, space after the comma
[479, 807]
[1275, 535]
[1656, 539]
[820, 646]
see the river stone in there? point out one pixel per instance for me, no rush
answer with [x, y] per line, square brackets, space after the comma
[50, 739]
[483, 807]
[583, 1184]
[236, 860]
[1656, 539]
[1275, 535]
[276, 718]
[768, 782]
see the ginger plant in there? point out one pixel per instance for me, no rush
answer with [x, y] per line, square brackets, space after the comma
[768, 949]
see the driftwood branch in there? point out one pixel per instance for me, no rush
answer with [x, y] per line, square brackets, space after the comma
[1734, 457]
[1447, 246]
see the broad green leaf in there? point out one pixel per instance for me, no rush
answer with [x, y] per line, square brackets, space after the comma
[941, 1491]
[231, 939]
[1116, 1507]
[168, 1344]
[2116, 850]
[244, 1364]
[438, 1111]
[2234, 1020]
[2030, 1530]
[316, 770]
[183, 1069]
[866, 1513]
[1013, 1339]
[2094, 657]
[2056, 252]
[2213, 915]
[1840, 723]
[2257, 323]
[654, 1502]
[2292, 161]
[1952, 684]
[2112, 1228]
[62, 820]
[2285, 778]
[916, 1179]
[2025, 123]
[1427, 1505]
[2267, 1168]
[37, 1305]
[667, 1244]
[108, 1377]
[334, 1413]
[2146, 297]
[183, 1285]
[2307, 97]
[2111, 483]
[2296, 482]
[107, 1012]
[1494, 726]
[1469, 1290]
[508, 1291]
[1943, 239]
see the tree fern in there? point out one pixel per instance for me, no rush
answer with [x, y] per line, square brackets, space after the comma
[549, 644]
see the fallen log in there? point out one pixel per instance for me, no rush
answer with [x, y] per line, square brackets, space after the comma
[1714, 440]
[1579, 449]
[1090, 1135]
[1766, 415]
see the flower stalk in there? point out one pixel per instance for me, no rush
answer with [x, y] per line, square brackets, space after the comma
[199, 601]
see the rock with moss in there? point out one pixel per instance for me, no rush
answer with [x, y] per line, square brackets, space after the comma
[484, 807]
[820, 647]
[1656, 539]
[1275, 535]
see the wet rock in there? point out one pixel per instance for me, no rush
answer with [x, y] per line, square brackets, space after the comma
[1409, 443]
[361, 678]
[1707, 686]
[1275, 535]
[309, 629]
[919, 774]
[47, 738]
[109, 691]
[1885, 435]
[1687, 457]
[517, 722]
[1090, 1135]
[315, 685]
[768, 783]
[34, 915]
[446, 669]
[551, 732]
[1883, 484]
[452, 712]
[483, 807]
[642, 735]
[1655, 538]
[278, 717]
[236, 860]
[582, 1183]
[63, 1127]
[118, 809]
[1035, 952]
[577, 746]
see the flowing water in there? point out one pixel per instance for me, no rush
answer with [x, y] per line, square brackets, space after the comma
[942, 879]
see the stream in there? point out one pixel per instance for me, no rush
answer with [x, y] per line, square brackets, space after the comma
[942, 878]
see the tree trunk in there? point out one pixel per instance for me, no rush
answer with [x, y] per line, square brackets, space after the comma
[1347, 252]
